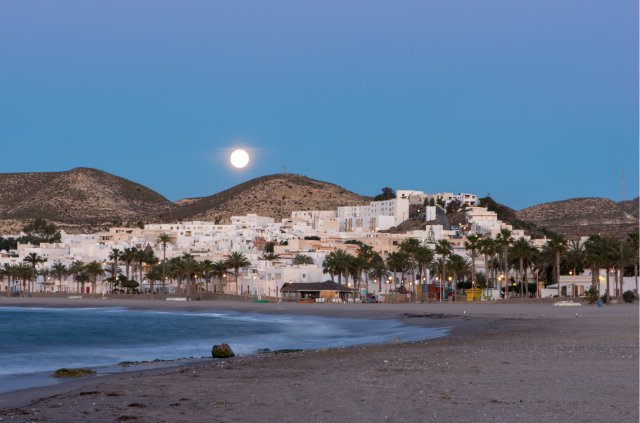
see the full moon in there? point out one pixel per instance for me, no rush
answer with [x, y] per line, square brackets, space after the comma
[239, 158]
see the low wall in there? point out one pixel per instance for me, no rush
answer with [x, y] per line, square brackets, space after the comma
[539, 300]
[147, 297]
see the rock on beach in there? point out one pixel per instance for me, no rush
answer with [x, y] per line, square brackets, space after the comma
[222, 351]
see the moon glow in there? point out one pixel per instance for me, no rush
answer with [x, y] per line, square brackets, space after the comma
[239, 158]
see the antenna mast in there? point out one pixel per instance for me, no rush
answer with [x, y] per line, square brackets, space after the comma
[623, 195]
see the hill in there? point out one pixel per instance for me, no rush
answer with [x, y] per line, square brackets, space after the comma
[582, 217]
[80, 199]
[272, 196]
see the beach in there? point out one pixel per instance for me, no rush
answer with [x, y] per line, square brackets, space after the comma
[501, 362]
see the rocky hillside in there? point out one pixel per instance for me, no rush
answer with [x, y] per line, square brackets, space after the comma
[272, 196]
[583, 216]
[78, 200]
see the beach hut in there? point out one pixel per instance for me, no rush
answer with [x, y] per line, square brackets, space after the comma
[329, 290]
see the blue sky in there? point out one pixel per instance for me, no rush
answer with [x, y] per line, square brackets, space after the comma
[529, 101]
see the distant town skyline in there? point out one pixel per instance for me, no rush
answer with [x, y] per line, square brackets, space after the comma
[530, 102]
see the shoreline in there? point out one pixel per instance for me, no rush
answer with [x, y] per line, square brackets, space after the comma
[472, 374]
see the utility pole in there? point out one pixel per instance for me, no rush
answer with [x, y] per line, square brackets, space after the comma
[623, 196]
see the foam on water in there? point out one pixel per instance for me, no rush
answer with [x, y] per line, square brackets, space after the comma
[36, 340]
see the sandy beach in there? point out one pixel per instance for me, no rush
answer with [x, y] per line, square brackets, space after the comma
[501, 362]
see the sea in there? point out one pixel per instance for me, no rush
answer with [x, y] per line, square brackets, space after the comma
[35, 342]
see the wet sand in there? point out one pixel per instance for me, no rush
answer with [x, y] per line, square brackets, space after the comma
[502, 362]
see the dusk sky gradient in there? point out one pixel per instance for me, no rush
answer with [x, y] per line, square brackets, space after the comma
[530, 101]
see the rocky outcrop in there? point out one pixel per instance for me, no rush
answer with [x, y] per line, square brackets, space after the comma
[222, 351]
[583, 217]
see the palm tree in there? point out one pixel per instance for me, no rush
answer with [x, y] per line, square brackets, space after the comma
[115, 256]
[153, 276]
[379, 271]
[634, 242]
[94, 269]
[23, 272]
[473, 244]
[206, 267]
[557, 245]
[443, 247]
[33, 259]
[519, 251]
[82, 278]
[46, 274]
[189, 267]
[487, 249]
[235, 261]
[366, 252]
[576, 255]
[59, 270]
[341, 262]
[410, 246]
[424, 258]
[504, 240]
[75, 268]
[129, 255]
[218, 269]
[625, 256]
[394, 261]
[329, 266]
[301, 259]
[269, 257]
[164, 239]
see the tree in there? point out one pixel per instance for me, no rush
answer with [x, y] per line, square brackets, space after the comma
[379, 271]
[235, 261]
[431, 236]
[153, 276]
[312, 238]
[341, 263]
[443, 247]
[164, 239]
[270, 247]
[473, 244]
[33, 259]
[576, 256]
[129, 255]
[453, 206]
[301, 259]
[82, 278]
[411, 246]
[94, 269]
[625, 256]
[634, 242]
[206, 267]
[75, 268]
[218, 269]
[424, 258]
[366, 252]
[115, 256]
[520, 250]
[269, 257]
[40, 231]
[328, 266]
[504, 240]
[387, 194]
[557, 245]
[488, 249]
[189, 267]
[59, 270]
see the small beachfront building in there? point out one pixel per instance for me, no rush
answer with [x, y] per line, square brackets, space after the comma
[298, 291]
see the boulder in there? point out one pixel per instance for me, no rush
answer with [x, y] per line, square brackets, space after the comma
[72, 373]
[222, 351]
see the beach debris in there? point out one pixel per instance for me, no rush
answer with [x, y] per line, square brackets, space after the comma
[285, 351]
[72, 373]
[396, 340]
[222, 351]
